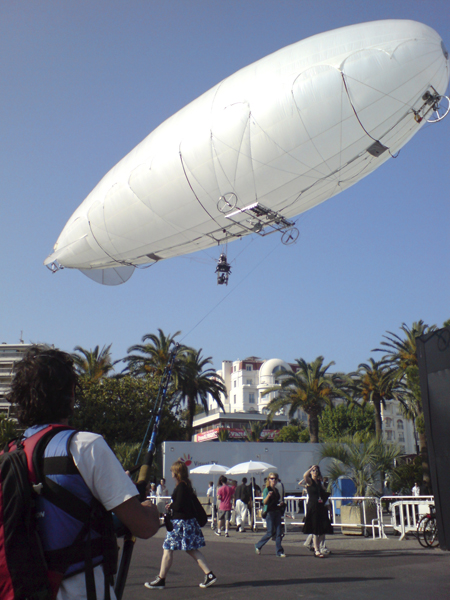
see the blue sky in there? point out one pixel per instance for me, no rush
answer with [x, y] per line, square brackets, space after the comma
[83, 82]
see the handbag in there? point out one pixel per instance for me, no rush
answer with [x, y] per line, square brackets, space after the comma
[199, 511]
[168, 520]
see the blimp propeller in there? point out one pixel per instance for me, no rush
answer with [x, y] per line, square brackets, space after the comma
[268, 143]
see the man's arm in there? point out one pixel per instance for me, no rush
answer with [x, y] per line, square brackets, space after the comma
[141, 519]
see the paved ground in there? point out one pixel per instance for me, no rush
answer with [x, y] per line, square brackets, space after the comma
[358, 568]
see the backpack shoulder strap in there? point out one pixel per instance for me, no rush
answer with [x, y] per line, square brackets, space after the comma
[58, 495]
[36, 444]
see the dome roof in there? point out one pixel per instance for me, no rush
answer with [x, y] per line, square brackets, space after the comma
[272, 367]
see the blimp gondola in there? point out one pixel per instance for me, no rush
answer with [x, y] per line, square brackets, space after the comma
[267, 143]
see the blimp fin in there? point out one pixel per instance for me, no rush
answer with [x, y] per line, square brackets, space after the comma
[113, 276]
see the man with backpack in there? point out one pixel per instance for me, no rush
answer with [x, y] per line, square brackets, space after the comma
[78, 483]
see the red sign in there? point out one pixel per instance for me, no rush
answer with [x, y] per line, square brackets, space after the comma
[234, 434]
[207, 436]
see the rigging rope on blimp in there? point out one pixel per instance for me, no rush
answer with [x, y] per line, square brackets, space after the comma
[359, 120]
[231, 291]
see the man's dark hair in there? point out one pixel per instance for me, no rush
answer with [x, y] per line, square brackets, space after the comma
[43, 386]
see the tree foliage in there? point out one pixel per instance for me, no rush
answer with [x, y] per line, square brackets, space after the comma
[223, 435]
[310, 389]
[93, 364]
[402, 355]
[152, 356]
[121, 409]
[196, 383]
[292, 433]
[376, 383]
[344, 421]
[405, 475]
[8, 430]
[363, 460]
[254, 431]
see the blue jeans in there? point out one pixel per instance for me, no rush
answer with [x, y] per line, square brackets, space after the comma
[273, 520]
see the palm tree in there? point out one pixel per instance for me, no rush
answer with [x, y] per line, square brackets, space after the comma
[254, 431]
[402, 351]
[195, 384]
[375, 383]
[223, 435]
[154, 354]
[402, 355]
[310, 388]
[363, 460]
[93, 364]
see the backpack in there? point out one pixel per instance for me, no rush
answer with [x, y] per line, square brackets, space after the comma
[23, 568]
[26, 572]
[199, 511]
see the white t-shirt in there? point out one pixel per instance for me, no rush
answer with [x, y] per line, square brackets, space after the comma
[108, 482]
[415, 490]
[162, 491]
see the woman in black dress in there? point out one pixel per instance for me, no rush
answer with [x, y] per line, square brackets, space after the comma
[317, 520]
[186, 533]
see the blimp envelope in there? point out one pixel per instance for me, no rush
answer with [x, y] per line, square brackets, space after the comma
[268, 143]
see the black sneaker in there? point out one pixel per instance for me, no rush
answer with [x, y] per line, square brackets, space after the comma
[209, 580]
[157, 584]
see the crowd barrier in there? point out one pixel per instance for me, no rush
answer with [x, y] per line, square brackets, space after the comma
[369, 515]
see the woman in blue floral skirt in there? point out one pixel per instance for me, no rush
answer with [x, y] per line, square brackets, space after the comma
[186, 534]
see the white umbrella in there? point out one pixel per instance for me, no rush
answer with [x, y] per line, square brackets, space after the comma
[252, 466]
[209, 469]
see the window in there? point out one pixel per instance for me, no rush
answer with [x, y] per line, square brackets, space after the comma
[248, 367]
[251, 398]
[389, 436]
[401, 436]
[249, 381]
[234, 369]
[399, 424]
[234, 384]
[234, 398]
[388, 422]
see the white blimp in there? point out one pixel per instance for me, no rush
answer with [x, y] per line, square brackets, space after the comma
[268, 143]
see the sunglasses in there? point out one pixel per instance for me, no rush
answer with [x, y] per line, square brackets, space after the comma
[272, 478]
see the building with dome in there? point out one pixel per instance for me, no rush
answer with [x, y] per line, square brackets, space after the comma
[246, 381]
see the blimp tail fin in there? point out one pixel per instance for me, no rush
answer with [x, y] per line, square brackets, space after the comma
[112, 276]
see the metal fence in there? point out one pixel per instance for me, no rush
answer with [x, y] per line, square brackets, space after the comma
[354, 515]
[359, 515]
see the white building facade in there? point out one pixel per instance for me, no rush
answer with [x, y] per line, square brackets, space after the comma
[399, 430]
[9, 355]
